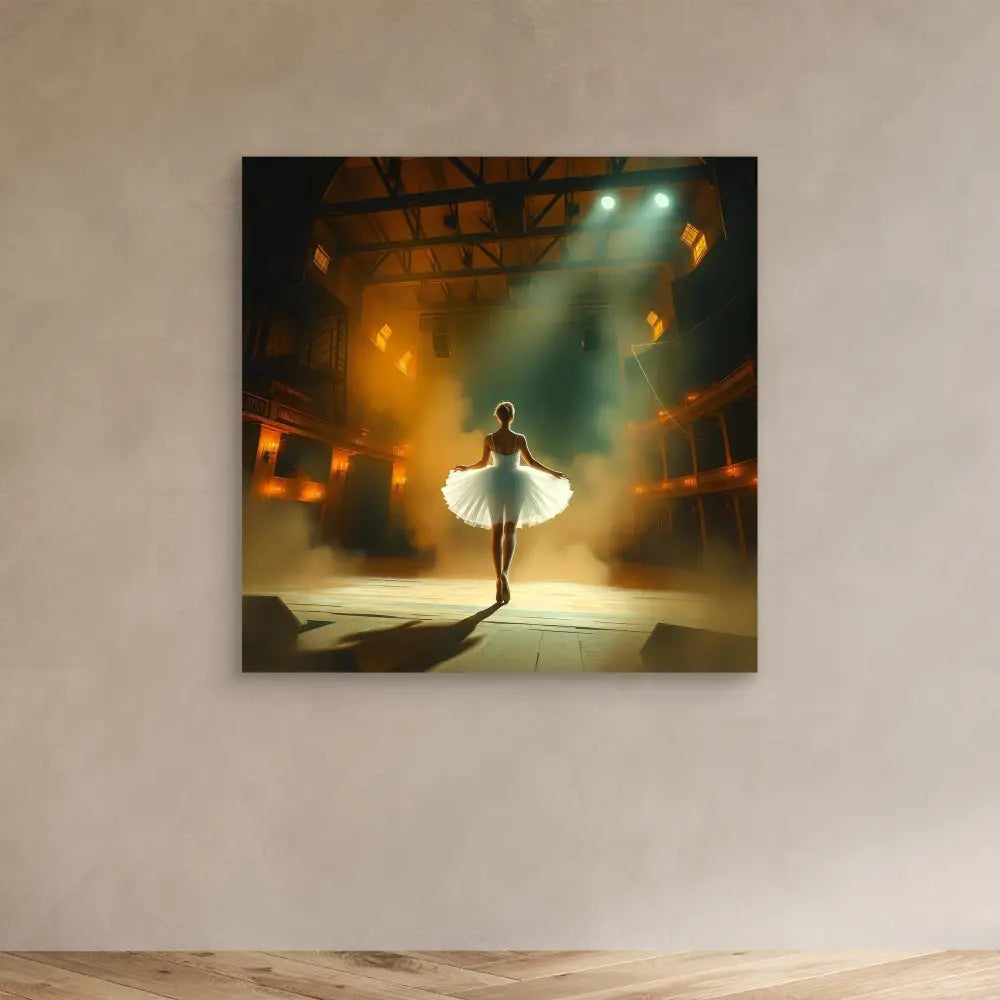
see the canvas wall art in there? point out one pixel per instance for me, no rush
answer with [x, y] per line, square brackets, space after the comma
[499, 414]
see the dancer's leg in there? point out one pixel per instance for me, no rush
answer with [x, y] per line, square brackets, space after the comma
[496, 540]
[509, 543]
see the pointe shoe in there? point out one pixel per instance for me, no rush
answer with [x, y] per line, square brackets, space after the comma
[505, 589]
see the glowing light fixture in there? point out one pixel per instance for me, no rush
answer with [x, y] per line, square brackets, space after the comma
[689, 234]
[661, 200]
[608, 202]
[268, 447]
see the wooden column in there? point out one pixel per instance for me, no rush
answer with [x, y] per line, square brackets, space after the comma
[698, 498]
[738, 512]
[721, 417]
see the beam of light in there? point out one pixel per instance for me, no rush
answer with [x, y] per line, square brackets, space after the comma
[662, 200]
[608, 202]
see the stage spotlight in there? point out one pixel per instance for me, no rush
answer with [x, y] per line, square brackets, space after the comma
[661, 200]
[608, 202]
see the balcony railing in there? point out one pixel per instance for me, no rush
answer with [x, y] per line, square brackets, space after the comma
[297, 420]
[704, 402]
[730, 477]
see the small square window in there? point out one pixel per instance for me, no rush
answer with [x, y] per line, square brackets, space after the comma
[321, 259]
[690, 234]
[381, 338]
[699, 249]
[406, 363]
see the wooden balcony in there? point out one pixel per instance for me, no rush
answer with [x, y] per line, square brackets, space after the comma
[292, 421]
[704, 402]
[740, 475]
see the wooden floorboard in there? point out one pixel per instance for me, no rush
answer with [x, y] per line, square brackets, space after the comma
[295, 977]
[501, 975]
[402, 969]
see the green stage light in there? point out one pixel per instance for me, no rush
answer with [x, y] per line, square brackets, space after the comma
[608, 202]
[661, 200]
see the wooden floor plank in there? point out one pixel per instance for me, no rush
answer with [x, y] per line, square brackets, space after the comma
[30, 979]
[558, 963]
[943, 976]
[145, 971]
[299, 978]
[559, 652]
[659, 968]
[392, 976]
[475, 960]
[471, 959]
[399, 967]
[686, 976]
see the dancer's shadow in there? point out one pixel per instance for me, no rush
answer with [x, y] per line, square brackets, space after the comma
[408, 648]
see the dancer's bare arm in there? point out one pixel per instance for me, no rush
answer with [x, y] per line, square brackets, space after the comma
[482, 463]
[530, 459]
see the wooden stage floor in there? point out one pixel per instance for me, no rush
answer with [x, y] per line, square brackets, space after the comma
[402, 624]
[501, 975]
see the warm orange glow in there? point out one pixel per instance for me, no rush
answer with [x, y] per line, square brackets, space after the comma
[381, 338]
[700, 248]
[690, 234]
[691, 481]
[651, 318]
[640, 489]
[732, 471]
[274, 488]
[268, 443]
[658, 329]
[407, 363]
[692, 396]
[311, 492]
[321, 259]
[398, 476]
[339, 463]
[754, 481]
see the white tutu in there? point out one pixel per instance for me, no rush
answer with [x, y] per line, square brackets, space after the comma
[505, 491]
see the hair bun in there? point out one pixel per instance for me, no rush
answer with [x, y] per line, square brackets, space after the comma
[504, 411]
